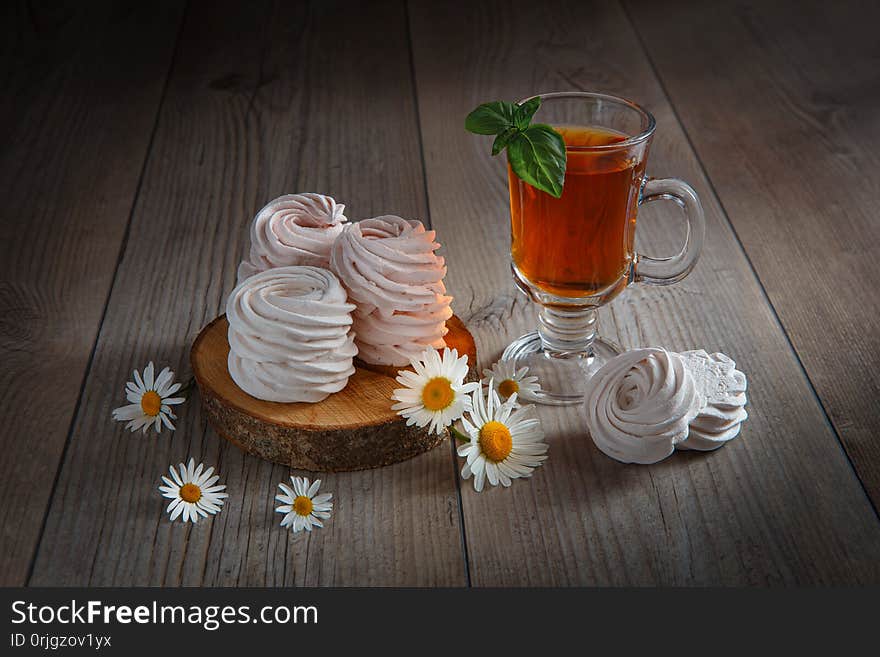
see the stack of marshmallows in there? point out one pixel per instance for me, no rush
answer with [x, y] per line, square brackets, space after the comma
[316, 290]
[646, 403]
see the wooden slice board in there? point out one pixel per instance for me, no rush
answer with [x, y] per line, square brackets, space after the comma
[353, 429]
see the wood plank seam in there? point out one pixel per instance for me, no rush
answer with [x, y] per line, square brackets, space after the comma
[748, 258]
[119, 257]
[452, 445]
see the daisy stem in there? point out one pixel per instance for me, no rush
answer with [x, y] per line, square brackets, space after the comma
[458, 435]
[188, 385]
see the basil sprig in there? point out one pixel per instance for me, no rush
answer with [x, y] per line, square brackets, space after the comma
[536, 152]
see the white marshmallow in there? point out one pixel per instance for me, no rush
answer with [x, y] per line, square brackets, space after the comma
[290, 335]
[723, 390]
[639, 405]
[392, 274]
[294, 229]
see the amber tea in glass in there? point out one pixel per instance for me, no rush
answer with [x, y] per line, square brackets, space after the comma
[581, 244]
[575, 253]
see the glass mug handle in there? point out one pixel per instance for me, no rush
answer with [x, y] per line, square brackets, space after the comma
[665, 271]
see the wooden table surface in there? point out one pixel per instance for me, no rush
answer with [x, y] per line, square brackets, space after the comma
[138, 143]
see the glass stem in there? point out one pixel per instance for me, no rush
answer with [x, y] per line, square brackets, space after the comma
[567, 333]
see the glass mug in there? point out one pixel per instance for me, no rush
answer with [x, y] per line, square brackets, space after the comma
[573, 254]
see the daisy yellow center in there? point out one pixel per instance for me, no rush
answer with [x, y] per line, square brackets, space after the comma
[302, 505]
[190, 493]
[151, 403]
[495, 441]
[508, 387]
[438, 394]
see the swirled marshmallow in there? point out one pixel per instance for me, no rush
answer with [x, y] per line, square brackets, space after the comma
[639, 405]
[290, 337]
[723, 389]
[392, 274]
[294, 229]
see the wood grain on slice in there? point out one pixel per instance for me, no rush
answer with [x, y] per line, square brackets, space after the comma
[76, 115]
[778, 505]
[353, 429]
[782, 108]
[263, 99]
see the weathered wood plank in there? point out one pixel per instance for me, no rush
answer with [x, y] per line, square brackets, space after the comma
[81, 88]
[263, 100]
[781, 105]
[780, 504]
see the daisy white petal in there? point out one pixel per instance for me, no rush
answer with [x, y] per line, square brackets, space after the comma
[189, 499]
[434, 395]
[164, 377]
[506, 442]
[205, 476]
[302, 505]
[150, 401]
[509, 380]
[134, 425]
[125, 413]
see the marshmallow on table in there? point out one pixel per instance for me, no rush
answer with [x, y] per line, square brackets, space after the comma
[723, 390]
[290, 337]
[639, 405]
[392, 274]
[295, 229]
[645, 403]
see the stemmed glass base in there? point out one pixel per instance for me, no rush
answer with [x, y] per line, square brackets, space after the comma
[563, 353]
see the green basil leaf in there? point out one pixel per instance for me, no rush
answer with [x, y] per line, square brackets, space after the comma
[491, 118]
[537, 156]
[502, 140]
[526, 111]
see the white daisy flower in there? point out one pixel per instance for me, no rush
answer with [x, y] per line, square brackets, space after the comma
[435, 394]
[192, 491]
[509, 380]
[301, 506]
[151, 401]
[506, 441]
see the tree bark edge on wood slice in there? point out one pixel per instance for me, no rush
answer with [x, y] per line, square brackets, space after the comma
[354, 429]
